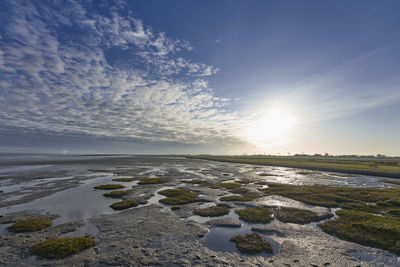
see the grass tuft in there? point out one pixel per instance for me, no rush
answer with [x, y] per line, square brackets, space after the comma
[177, 196]
[390, 181]
[242, 181]
[240, 190]
[56, 248]
[124, 204]
[212, 211]
[226, 185]
[159, 180]
[30, 225]
[195, 181]
[255, 215]
[124, 179]
[116, 193]
[252, 243]
[266, 174]
[293, 215]
[109, 186]
[242, 198]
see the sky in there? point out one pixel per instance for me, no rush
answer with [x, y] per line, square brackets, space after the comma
[218, 77]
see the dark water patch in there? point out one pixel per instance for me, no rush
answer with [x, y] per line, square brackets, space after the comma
[218, 239]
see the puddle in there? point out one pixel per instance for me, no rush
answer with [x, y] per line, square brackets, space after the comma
[3, 228]
[154, 199]
[17, 197]
[76, 204]
[331, 210]
[218, 238]
[363, 257]
[87, 229]
[32, 184]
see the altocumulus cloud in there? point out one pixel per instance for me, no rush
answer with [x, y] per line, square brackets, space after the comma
[92, 68]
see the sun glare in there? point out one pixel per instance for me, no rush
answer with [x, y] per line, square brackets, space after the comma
[271, 128]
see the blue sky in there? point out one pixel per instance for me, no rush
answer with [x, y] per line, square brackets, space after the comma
[200, 76]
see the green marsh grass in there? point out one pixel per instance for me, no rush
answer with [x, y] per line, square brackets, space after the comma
[374, 200]
[377, 167]
[124, 179]
[212, 211]
[365, 229]
[293, 215]
[30, 225]
[159, 180]
[109, 186]
[117, 193]
[255, 215]
[178, 196]
[241, 198]
[56, 248]
[252, 243]
[124, 204]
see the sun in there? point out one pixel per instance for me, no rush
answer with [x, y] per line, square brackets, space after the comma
[270, 127]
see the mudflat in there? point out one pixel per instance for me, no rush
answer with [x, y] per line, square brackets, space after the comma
[168, 233]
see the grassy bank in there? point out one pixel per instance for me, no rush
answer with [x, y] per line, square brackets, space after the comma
[369, 166]
[385, 201]
[369, 216]
[366, 229]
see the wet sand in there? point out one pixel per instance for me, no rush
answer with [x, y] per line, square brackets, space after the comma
[62, 187]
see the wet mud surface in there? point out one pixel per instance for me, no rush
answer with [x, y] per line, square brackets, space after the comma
[62, 188]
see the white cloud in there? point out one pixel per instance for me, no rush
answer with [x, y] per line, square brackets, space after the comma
[69, 71]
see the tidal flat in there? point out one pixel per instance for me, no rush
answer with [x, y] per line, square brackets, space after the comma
[185, 212]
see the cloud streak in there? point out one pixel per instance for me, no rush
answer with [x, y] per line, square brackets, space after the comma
[360, 84]
[65, 70]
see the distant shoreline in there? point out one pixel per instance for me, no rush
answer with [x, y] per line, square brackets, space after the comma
[355, 166]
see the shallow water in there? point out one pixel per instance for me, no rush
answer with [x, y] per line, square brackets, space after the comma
[76, 204]
[40, 173]
[218, 238]
[23, 168]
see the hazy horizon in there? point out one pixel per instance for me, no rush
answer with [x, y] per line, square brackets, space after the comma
[194, 77]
